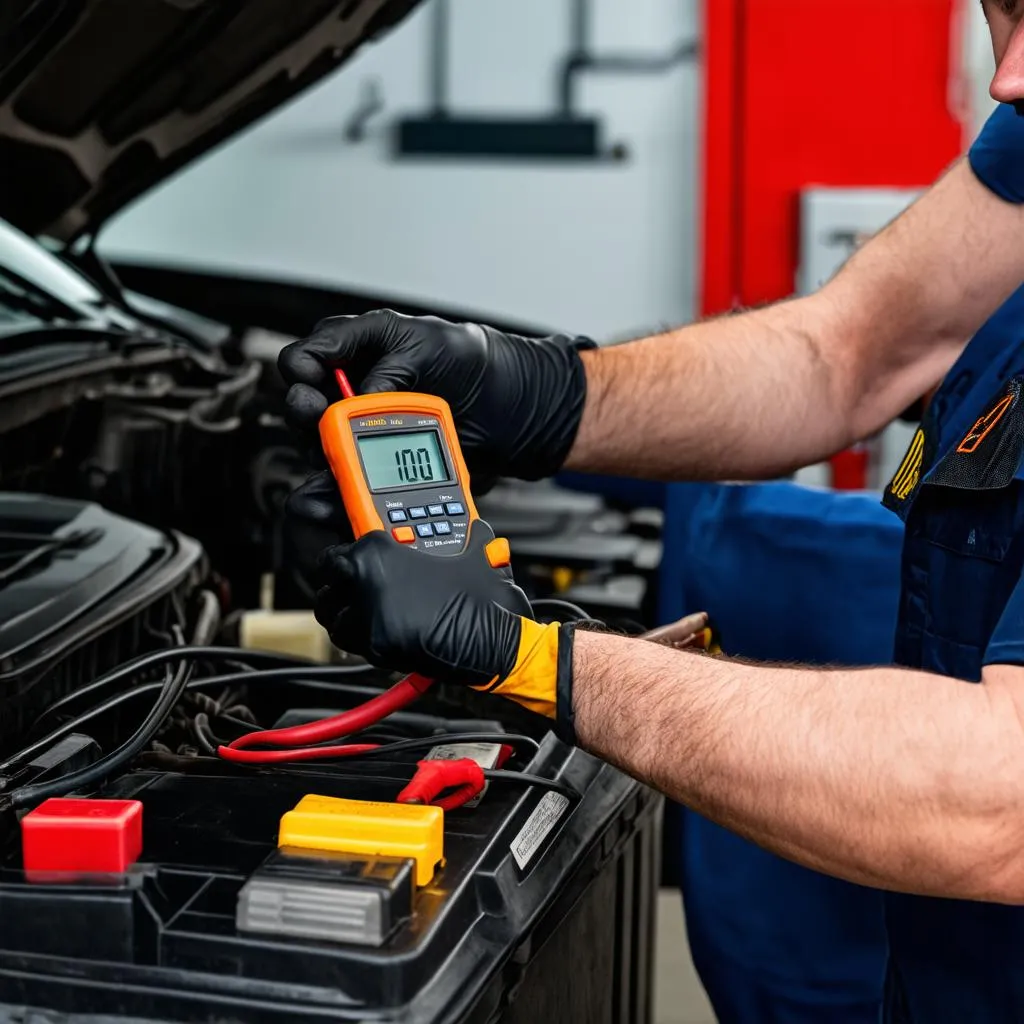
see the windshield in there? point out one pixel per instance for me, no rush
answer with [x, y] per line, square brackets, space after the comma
[36, 286]
[39, 291]
[24, 306]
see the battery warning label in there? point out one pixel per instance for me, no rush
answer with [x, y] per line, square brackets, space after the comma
[538, 827]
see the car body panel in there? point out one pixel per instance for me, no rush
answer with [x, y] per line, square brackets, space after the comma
[102, 99]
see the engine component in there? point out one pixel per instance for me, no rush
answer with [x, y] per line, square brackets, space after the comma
[81, 590]
[295, 633]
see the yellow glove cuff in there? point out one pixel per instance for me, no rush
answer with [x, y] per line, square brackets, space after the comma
[533, 682]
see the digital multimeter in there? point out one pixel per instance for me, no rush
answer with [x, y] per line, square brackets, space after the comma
[399, 467]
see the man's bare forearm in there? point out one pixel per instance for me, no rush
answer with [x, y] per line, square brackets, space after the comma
[890, 778]
[741, 397]
[760, 393]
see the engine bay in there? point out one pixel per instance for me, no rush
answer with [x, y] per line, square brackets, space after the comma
[408, 859]
[155, 605]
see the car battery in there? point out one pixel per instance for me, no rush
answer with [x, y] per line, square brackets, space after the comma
[528, 907]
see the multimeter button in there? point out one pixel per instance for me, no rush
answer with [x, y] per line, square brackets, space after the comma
[403, 534]
[436, 510]
[397, 515]
[455, 508]
[498, 553]
[443, 527]
[417, 513]
[425, 529]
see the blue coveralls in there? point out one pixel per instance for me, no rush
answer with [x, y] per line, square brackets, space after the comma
[775, 943]
[961, 496]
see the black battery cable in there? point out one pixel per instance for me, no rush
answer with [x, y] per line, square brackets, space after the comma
[294, 675]
[545, 607]
[171, 691]
[130, 669]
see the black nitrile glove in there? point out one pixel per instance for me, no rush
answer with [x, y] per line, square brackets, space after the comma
[318, 501]
[516, 402]
[451, 618]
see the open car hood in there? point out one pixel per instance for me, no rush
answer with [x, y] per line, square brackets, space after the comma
[101, 99]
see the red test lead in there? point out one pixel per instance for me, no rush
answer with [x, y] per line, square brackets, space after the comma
[432, 778]
[336, 727]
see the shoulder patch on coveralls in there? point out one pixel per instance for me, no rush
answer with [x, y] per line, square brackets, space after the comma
[989, 455]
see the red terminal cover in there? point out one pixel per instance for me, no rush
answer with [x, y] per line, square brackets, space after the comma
[84, 836]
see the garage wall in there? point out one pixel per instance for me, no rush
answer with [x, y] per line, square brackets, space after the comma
[605, 249]
[979, 65]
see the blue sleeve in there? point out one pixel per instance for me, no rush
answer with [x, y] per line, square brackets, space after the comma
[997, 157]
[1006, 647]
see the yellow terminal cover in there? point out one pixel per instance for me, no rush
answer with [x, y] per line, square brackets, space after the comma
[368, 827]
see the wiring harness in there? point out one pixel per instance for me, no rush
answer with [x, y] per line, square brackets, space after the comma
[364, 728]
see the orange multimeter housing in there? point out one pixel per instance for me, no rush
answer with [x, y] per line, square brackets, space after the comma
[399, 467]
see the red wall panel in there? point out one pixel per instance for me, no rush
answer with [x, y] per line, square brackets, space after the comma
[813, 92]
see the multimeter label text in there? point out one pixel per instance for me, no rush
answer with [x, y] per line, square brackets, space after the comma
[457, 540]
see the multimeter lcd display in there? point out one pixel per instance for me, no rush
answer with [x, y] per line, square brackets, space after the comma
[402, 460]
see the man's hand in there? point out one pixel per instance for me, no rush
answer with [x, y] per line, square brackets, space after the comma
[451, 618]
[517, 402]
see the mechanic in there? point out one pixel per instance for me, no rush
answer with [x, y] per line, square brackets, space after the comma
[906, 778]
